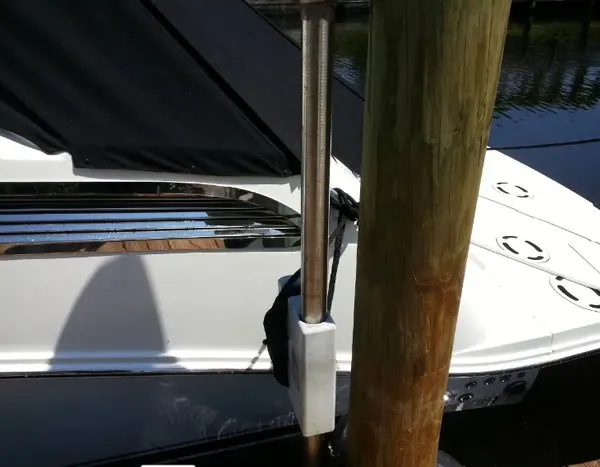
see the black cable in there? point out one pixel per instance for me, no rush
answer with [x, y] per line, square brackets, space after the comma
[347, 209]
[338, 236]
[547, 145]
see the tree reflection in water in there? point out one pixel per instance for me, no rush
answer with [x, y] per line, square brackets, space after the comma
[547, 70]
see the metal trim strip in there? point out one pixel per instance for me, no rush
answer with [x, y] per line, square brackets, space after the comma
[101, 217]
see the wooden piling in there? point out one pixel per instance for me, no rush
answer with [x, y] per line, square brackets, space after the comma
[433, 72]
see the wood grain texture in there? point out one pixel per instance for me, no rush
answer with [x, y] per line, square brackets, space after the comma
[433, 72]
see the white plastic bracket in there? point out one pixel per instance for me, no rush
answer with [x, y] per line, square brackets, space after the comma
[312, 371]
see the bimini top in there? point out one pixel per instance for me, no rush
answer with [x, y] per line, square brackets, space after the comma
[206, 87]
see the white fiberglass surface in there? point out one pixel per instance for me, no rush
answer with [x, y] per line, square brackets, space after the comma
[204, 310]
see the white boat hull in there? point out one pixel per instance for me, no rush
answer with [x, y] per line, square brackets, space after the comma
[109, 352]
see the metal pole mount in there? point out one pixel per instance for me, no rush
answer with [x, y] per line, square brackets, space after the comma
[318, 18]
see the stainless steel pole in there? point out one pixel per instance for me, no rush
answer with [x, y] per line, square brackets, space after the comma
[317, 39]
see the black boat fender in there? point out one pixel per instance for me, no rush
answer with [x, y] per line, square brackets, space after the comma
[275, 320]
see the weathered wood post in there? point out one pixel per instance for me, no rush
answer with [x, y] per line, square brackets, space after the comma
[433, 72]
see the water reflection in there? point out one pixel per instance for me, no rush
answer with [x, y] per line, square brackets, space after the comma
[549, 88]
[549, 92]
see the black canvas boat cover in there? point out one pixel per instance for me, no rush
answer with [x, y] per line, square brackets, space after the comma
[183, 86]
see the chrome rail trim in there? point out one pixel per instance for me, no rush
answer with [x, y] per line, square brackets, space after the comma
[135, 194]
[106, 217]
[149, 235]
[38, 223]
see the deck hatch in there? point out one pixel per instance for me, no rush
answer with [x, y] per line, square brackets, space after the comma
[578, 294]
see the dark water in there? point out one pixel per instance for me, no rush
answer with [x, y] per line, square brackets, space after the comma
[549, 93]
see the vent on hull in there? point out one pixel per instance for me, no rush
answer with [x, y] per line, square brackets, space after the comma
[512, 190]
[580, 295]
[523, 248]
